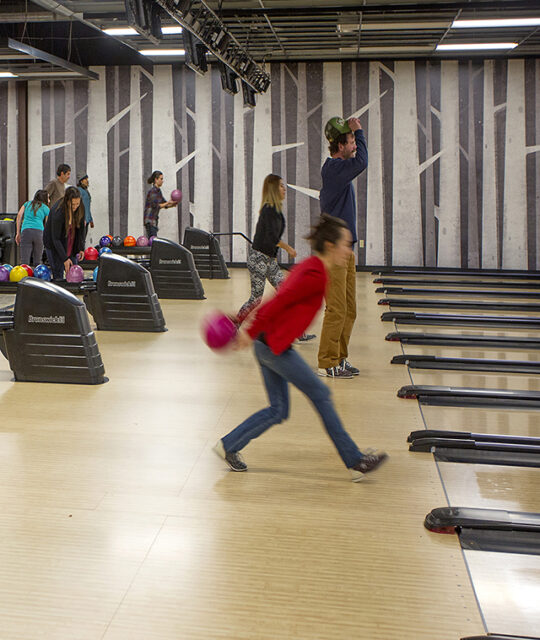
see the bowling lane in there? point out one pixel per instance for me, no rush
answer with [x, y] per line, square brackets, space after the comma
[472, 352]
[475, 379]
[466, 310]
[450, 285]
[482, 420]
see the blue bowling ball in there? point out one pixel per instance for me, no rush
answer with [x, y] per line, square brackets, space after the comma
[8, 267]
[43, 272]
[105, 241]
[94, 274]
[105, 250]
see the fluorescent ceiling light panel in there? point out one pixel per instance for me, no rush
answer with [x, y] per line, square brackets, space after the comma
[391, 26]
[121, 31]
[162, 52]
[49, 74]
[476, 46]
[495, 23]
[129, 31]
[7, 74]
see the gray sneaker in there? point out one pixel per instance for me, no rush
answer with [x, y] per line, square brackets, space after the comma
[335, 372]
[305, 337]
[234, 460]
[345, 364]
[367, 464]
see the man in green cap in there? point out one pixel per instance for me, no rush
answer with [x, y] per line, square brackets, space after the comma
[348, 158]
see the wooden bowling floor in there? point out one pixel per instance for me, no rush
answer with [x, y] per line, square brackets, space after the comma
[120, 522]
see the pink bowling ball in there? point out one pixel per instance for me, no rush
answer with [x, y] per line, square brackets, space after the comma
[151, 239]
[75, 274]
[142, 241]
[176, 195]
[218, 330]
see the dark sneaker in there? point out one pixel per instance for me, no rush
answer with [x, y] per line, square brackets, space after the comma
[234, 460]
[335, 372]
[368, 463]
[345, 364]
[306, 337]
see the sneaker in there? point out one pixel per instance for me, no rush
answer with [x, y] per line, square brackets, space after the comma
[234, 460]
[368, 463]
[345, 364]
[335, 372]
[305, 337]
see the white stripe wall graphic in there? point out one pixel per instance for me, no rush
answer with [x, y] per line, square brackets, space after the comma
[12, 165]
[454, 167]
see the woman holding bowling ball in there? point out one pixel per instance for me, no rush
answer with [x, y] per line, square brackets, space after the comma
[154, 202]
[274, 327]
[64, 232]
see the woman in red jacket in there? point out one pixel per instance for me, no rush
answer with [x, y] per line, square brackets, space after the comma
[275, 326]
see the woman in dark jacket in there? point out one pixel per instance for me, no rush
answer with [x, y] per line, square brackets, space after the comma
[262, 260]
[63, 235]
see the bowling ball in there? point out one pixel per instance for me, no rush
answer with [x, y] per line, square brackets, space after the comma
[105, 241]
[43, 272]
[7, 266]
[151, 239]
[9, 220]
[29, 269]
[110, 237]
[129, 241]
[142, 241]
[94, 274]
[105, 250]
[91, 253]
[4, 274]
[218, 330]
[75, 274]
[117, 241]
[17, 274]
[176, 195]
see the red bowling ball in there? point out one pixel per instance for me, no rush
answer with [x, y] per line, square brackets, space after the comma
[28, 268]
[91, 253]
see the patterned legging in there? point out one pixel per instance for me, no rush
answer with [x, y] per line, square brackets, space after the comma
[261, 268]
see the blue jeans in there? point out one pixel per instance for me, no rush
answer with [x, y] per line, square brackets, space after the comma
[277, 372]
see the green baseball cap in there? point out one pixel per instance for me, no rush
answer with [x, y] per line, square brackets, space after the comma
[335, 127]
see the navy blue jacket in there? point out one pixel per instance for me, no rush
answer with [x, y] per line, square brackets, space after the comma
[337, 194]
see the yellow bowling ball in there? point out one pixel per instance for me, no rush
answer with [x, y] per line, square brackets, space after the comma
[18, 273]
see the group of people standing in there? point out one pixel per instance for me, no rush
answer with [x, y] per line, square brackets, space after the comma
[329, 274]
[57, 219]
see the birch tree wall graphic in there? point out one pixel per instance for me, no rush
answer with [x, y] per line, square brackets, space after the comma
[136, 195]
[262, 152]
[163, 146]
[97, 162]
[11, 203]
[332, 99]
[202, 202]
[375, 189]
[534, 192]
[407, 215]
[239, 181]
[515, 188]
[449, 202]
[490, 253]
[302, 210]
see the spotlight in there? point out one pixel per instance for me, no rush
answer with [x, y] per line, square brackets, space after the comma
[249, 95]
[228, 79]
[195, 53]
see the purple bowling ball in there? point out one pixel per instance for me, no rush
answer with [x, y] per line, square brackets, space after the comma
[104, 241]
[218, 330]
[75, 274]
[142, 241]
[4, 274]
[151, 239]
[176, 195]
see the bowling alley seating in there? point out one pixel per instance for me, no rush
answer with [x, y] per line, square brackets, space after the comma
[47, 338]
[207, 253]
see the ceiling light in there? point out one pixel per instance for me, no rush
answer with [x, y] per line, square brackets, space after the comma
[496, 22]
[478, 46]
[169, 30]
[162, 52]
[129, 31]
[121, 31]
[7, 74]
[49, 74]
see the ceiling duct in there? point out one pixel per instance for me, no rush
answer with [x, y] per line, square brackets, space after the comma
[195, 16]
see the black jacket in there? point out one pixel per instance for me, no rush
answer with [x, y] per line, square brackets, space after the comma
[270, 227]
[54, 233]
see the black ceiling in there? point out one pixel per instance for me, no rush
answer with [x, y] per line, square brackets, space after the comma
[272, 29]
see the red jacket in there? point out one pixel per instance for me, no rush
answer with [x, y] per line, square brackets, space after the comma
[289, 313]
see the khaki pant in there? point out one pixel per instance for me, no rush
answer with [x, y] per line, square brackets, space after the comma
[339, 315]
